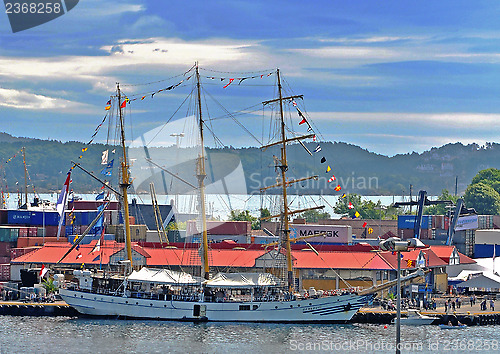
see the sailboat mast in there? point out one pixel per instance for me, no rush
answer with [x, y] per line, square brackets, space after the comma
[201, 184]
[284, 167]
[125, 178]
[25, 178]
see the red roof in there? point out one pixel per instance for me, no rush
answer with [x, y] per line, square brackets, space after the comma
[50, 253]
[445, 252]
[432, 260]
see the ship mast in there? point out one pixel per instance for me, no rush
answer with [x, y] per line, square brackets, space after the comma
[201, 174]
[125, 183]
[283, 167]
[25, 179]
[284, 184]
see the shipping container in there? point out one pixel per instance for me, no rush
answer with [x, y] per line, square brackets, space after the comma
[4, 218]
[40, 218]
[485, 251]
[4, 259]
[8, 233]
[23, 242]
[6, 247]
[437, 221]
[18, 217]
[5, 272]
[91, 205]
[18, 252]
[23, 231]
[32, 231]
[408, 221]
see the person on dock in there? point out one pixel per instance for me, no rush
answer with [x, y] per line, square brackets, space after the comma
[471, 301]
[459, 302]
[453, 305]
[483, 305]
[446, 306]
[492, 305]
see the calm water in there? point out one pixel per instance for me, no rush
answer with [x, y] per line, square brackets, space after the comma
[74, 335]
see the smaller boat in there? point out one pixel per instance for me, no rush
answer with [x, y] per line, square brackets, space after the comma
[415, 318]
[448, 326]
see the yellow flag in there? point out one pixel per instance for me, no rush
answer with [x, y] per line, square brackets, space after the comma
[356, 214]
[370, 230]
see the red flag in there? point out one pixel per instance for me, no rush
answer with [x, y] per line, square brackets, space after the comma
[43, 271]
[364, 224]
[303, 121]
[338, 188]
[230, 82]
[79, 256]
[350, 206]
[124, 103]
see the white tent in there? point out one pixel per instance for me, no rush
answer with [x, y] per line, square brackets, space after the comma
[483, 282]
[242, 280]
[162, 276]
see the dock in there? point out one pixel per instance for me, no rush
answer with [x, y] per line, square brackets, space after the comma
[365, 315]
[17, 308]
[483, 318]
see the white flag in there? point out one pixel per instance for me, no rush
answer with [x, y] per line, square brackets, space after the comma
[104, 158]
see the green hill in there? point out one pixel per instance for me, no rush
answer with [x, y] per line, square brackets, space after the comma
[357, 170]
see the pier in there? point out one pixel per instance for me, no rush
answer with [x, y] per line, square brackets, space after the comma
[17, 308]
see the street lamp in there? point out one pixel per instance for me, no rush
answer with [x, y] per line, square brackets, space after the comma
[395, 244]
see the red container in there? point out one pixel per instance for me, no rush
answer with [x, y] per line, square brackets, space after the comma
[91, 205]
[32, 231]
[5, 248]
[5, 272]
[23, 231]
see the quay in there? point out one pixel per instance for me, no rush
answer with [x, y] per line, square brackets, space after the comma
[483, 318]
[18, 308]
[365, 315]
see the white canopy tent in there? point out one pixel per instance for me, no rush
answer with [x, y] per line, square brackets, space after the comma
[162, 276]
[242, 280]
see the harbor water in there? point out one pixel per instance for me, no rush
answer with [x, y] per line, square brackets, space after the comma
[77, 335]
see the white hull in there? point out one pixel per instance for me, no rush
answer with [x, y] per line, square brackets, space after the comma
[326, 309]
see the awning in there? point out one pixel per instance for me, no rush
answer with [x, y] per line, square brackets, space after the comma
[242, 280]
[162, 276]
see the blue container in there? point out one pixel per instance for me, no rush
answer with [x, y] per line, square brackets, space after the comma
[51, 218]
[408, 221]
[18, 217]
[485, 251]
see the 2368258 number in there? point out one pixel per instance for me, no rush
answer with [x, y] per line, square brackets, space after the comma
[32, 8]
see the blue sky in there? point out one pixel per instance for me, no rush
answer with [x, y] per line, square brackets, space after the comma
[390, 76]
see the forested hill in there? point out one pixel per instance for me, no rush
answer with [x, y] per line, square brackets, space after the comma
[356, 170]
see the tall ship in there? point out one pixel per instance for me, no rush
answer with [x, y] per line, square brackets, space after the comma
[166, 294]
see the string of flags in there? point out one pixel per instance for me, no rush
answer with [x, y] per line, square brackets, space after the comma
[226, 81]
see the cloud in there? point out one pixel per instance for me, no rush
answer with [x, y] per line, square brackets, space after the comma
[144, 54]
[438, 120]
[25, 100]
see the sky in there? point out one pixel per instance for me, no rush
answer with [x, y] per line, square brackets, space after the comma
[390, 76]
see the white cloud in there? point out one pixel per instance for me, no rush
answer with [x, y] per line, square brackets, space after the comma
[449, 120]
[25, 100]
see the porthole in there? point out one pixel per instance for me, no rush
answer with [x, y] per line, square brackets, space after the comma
[126, 302]
[310, 304]
[137, 303]
[291, 306]
[276, 307]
